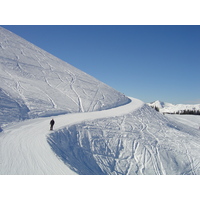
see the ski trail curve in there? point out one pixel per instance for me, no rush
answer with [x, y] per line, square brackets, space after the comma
[24, 147]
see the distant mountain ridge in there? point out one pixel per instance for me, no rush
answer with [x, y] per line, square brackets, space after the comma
[35, 83]
[176, 108]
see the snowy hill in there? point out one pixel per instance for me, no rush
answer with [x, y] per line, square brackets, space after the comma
[129, 139]
[35, 83]
[98, 130]
[177, 108]
[141, 141]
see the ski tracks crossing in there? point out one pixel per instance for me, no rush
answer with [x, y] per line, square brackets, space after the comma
[24, 146]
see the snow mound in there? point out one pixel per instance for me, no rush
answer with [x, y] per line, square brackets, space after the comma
[35, 83]
[143, 142]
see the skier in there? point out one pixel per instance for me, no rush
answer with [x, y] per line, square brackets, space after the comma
[52, 122]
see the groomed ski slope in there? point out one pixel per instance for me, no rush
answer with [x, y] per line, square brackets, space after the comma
[126, 140]
[24, 146]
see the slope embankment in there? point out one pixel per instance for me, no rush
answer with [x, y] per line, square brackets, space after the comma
[142, 142]
[24, 146]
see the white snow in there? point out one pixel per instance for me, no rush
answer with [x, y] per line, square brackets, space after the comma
[24, 147]
[34, 83]
[191, 120]
[130, 139]
[98, 130]
[174, 108]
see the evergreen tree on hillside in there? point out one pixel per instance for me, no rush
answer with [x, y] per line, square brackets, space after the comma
[157, 109]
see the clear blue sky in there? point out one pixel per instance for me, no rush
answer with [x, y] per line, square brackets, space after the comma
[146, 62]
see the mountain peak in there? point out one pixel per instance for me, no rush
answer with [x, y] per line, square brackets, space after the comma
[174, 108]
[159, 104]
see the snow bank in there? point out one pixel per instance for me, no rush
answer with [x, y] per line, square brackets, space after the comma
[143, 142]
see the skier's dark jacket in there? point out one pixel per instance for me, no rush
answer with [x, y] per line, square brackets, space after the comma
[52, 122]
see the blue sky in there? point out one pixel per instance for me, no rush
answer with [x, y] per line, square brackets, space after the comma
[146, 62]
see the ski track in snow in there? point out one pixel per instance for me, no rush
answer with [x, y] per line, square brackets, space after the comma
[24, 147]
[25, 150]
[130, 139]
[140, 142]
[73, 80]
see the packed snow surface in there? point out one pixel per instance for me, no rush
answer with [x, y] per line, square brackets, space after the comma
[130, 139]
[24, 146]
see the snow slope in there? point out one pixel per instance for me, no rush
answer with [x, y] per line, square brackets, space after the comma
[24, 146]
[191, 120]
[35, 83]
[130, 139]
[98, 130]
[142, 142]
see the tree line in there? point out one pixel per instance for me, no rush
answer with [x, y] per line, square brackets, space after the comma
[180, 112]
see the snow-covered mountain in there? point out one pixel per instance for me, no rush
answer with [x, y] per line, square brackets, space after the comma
[35, 83]
[98, 130]
[175, 108]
